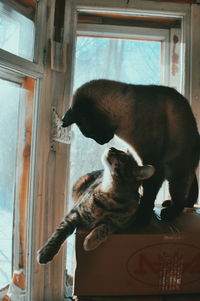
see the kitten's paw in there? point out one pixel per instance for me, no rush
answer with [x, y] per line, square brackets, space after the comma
[44, 256]
[89, 244]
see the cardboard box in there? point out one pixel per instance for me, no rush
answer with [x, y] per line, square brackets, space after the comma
[160, 259]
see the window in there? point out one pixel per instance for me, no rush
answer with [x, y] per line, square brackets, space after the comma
[30, 70]
[135, 55]
[18, 82]
[16, 32]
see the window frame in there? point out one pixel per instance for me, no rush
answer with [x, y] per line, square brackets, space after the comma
[55, 269]
[33, 68]
[170, 9]
[16, 69]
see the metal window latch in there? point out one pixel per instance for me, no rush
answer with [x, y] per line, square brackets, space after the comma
[58, 133]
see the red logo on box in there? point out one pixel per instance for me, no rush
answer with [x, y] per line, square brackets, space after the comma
[167, 265]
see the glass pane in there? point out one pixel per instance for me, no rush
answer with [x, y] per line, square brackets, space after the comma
[10, 93]
[17, 33]
[131, 61]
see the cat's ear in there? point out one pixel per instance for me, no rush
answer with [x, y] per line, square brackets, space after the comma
[145, 172]
[69, 118]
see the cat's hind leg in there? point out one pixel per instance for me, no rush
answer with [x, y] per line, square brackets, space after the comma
[53, 244]
[97, 236]
[180, 185]
[192, 197]
[193, 194]
[151, 187]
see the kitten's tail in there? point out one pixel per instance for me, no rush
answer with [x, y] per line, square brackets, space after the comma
[84, 183]
[53, 244]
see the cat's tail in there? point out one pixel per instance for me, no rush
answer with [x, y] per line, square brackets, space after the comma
[53, 244]
[83, 183]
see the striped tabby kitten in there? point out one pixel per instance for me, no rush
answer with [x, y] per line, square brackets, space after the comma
[105, 201]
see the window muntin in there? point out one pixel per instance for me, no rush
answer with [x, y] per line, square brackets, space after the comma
[17, 33]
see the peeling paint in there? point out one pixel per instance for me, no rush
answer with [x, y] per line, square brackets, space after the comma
[25, 163]
[16, 290]
[175, 56]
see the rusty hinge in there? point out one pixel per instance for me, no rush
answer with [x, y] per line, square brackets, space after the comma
[58, 133]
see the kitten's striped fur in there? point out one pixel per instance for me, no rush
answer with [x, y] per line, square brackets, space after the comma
[101, 211]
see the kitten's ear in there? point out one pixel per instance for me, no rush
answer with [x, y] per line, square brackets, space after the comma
[69, 118]
[145, 172]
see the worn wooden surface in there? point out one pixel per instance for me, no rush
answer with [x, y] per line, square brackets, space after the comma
[195, 67]
[195, 62]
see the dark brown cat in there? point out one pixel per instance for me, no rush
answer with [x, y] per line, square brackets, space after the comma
[105, 202]
[157, 122]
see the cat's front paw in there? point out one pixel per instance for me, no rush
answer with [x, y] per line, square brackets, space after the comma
[170, 213]
[44, 255]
